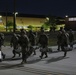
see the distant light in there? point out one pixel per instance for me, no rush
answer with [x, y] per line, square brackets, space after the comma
[16, 12]
[47, 18]
[25, 27]
[72, 19]
[0, 16]
[66, 16]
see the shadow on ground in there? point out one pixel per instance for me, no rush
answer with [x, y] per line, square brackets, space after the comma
[12, 59]
[55, 59]
[7, 66]
[35, 60]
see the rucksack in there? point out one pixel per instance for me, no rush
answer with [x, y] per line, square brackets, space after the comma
[43, 39]
[24, 40]
[14, 39]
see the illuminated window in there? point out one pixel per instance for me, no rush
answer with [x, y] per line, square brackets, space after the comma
[72, 19]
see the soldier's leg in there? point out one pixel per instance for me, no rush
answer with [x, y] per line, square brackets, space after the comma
[14, 54]
[19, 54]
[45, 50]
[45, 54]
[23, 57]
[42, 53]
[71, 45]
[3, 55]
[0, 54]
[65, 53]
[34, 52]
[33, 44]
[58, 47]
[62, 48]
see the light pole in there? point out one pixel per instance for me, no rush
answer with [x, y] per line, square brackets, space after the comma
[15, 17]
[6, 16]
[66, 18]
[6, 21]
[14, 23]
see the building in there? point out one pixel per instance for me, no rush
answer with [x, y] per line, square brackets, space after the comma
[23, 20]
[70, 23]
[27, 20]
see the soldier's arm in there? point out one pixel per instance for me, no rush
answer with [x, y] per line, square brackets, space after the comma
[11, 42]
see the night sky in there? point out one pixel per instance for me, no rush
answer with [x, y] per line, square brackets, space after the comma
[41, 7]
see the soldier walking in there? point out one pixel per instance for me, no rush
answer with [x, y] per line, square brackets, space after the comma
[15, 44]
[24, 42]
[43, 41]
[71, 38]
[64, 42]
[59, 40]
[32, 40]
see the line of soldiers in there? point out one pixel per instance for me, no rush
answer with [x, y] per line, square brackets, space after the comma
[24, 43]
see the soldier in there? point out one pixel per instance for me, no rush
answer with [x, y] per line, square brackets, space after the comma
[43, 41]
[41, 30]
[71, 37]
[2, 43]
[24, 42]
[64, 42]
[32, 39]
[59, 40]
[15, 44]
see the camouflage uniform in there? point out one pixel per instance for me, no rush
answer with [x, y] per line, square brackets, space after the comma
[43, 41]
[59, 40]
[32, 40]
[71, 38]
[64, 42]
[14, 43]
[24, 41]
